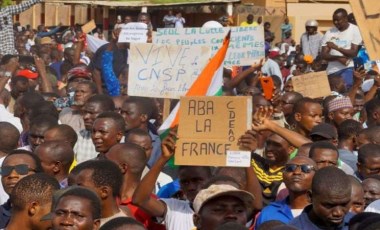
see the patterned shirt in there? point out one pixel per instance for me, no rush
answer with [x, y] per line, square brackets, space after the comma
[6, 25]
[84, 148]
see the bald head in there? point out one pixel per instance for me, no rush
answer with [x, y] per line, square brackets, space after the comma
[9, 136]
[56, 157]
[129, 154]
[63, 133]
[331, 180]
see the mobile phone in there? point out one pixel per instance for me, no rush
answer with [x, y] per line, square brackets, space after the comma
[268, 87]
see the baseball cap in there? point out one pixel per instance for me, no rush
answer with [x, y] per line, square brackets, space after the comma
[79, 72]
[324, 130]
[27, 73]
[215, 191]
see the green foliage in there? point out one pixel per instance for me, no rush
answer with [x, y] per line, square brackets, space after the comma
[7, 3]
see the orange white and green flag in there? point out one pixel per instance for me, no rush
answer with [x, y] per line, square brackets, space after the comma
[209, 83]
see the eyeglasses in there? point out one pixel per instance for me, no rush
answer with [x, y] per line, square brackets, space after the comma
[304, 168]
[20, 169]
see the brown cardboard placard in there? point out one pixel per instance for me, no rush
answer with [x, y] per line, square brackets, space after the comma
[209, 129]
[313, 85]
[89, 26]
[367, 15]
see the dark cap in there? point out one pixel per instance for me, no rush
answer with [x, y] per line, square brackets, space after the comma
[324, 130]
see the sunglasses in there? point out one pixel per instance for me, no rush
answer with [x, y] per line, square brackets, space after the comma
[20, 169]
[304, 168]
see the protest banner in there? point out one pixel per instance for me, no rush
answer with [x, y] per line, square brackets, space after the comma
[313, 85]
[134, 32]
[164, 71]
[367, 16]
[247, 43]
[88, 27]
[209, 129]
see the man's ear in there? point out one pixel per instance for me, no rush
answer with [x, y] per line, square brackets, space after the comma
[331, 116]
[197, 220]
[105, 192]
[119, 136]
[96, 224]
[57, 167]
[297, 117]
[32, 208]
[144, 118]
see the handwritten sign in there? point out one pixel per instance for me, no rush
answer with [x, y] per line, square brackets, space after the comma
[88, 27]
[134, 32]
[246, 46]
[367, 15]
[312, 85]
[164, 71]
[209, 129]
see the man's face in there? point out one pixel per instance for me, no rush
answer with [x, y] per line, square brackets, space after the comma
[277, 150]
[127, 19]
[358, 105]
[9, 181]
[370, 166]
[340, 21]
[105, 134]
[84, 178]
[325, 157]
[288, 86]
[191, 180]
[250, 19]
[311, 29]
[287, 104]
[132, 116]
[144, 141]
[299, 181]
[357, 199]
[82, 94]
[73, 212]
[371, 189]
[341, 115]
[331, 207]
[36, 135]
[144, 19]
[47, 162]
[362, 139]
[310, 116]
[19, 88]
[221, 210]
[89, 112]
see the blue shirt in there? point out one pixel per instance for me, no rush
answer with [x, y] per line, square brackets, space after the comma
[279, 210]
[303, 221]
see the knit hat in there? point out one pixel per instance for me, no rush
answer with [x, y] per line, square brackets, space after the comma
[339, 103]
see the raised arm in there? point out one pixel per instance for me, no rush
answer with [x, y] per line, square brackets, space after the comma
[142, 195]
[16, 9]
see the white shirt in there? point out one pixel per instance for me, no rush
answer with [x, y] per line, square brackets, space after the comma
[373, 207]
[342, 39]
[6, 116]
[179, 215]
[271, 68]
[162, 179]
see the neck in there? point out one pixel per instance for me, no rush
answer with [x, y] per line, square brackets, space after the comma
[16, 224]
[302, 131]
[109, 207]
[318, 221]
[60, 177]
[129, 186]
[346, 144]
[298, 200]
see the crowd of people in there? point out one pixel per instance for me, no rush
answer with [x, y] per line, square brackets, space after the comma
[78, 153]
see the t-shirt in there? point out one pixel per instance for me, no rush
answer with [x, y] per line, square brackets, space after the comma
[179, 215]
[311, 44]
[342, 39]
[245, 24]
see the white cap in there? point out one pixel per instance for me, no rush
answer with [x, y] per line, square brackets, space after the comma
[311, 22]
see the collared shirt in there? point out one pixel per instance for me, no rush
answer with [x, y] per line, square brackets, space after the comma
[63, 183]
[7, 37]
[84, 149]
[311, 44]
[303, 221]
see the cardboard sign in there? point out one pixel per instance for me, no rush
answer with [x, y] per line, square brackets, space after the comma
[88, 27]
[209, 129]
[368, 18]
[247, 43]
[134, 32]
[164, 71]
[312, 85]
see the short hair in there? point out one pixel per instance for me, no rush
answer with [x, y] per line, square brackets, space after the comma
[138, 132]
[299, 106]
[206, 169]
[348, 129]
[322, 145]
[67, 132]
[220, 178]
[131, 154]
[144, 104]
[359, 218]
[44, 120]
[30, 99]
[116, 117]
[6, 58]
[341, 11]
[106, 103]
[270, 224]
[36, 187]
[90, 85]
[368, 151]
[35, 158]
[44, 108]
[120, 222]
[86, 194]
[372, 133]
[9, 136]
[104, 173]
[330, 179]
[59, 151]
[371, 106]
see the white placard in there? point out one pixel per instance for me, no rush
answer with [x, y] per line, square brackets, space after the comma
[134, 32]
[164, 71]
[238, 159]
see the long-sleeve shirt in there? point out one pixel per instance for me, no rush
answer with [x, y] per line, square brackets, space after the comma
[48, 33]
[6, 25]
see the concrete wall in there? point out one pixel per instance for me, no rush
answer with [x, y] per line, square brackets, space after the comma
[320, 12]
